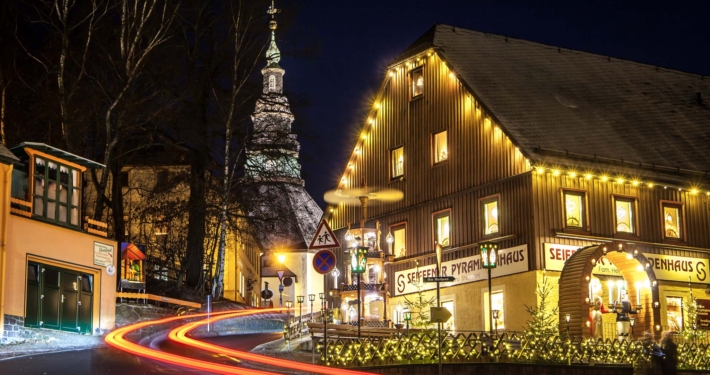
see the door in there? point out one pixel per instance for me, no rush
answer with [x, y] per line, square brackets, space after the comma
[59, 298]
[50, 297]
[70, 301]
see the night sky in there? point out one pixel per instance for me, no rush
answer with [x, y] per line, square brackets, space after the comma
[350, 43]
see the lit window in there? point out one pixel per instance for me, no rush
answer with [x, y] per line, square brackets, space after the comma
[490, 217]
[399, 245]
[497, 302]
[57, 193]
[417, 81]
[674, 307]
[441, 149]
[397, 160]
[574, 210]
[625, 216]
[442, 229]
[672, 225]
[272, 83]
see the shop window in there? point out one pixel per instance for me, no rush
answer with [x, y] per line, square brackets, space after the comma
[624, 212]
[497, 299]
[397, 161]
[674, 308]
[416, 80]
[574, 210]
[442, 228]
[399, 245]
[57, 192]
[441, 149]
[490, 216]
[672, 221]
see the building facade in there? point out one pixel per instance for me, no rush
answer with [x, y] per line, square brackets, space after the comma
[543, 151]
[57, 267]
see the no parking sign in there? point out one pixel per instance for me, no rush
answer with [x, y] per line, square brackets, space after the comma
[324, 262]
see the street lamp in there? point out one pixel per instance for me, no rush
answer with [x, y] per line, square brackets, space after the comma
[300, 314]
[632, 321]
[322, 306]
[358, 263]
[495, 317]
[489, 258]
[288, 318]
[311, 297]
[568, 317]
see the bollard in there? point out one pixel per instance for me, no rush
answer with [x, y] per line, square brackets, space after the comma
[208, 307]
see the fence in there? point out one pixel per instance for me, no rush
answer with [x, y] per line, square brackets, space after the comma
[471, 347]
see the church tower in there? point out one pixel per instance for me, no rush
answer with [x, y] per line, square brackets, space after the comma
[285, 217]
[272, 154]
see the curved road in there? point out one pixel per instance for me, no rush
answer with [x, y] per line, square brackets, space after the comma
[112, 361]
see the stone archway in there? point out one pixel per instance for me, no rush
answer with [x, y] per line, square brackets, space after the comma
[577, 273]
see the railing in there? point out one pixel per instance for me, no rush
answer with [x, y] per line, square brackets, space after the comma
[423, 347]
[96, 227]
[373, 287]
[21, 207]
[297, 327]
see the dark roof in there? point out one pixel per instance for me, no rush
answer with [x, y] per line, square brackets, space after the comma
[7, 156]
[557, 104]
[61, 154]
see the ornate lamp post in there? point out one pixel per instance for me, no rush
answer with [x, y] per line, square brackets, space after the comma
[300, 314]
[311, 297]
[489, 258]
[632, 321]
[495, 319]
[322, 306]
[568, 317]
[358, 264]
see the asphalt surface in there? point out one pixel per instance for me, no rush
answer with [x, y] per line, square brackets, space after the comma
[108, 360]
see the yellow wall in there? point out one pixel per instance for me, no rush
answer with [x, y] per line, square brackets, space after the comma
[30, 239]
[518, 291]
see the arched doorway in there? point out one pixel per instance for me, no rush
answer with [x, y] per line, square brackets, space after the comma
[575, 292]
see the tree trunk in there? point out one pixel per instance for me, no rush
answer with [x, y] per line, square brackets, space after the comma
[117, 214]
[197, 213]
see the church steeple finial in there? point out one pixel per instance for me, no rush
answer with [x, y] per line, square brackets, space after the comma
[273, 55]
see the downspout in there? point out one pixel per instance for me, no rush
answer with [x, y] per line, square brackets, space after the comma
[4, 214]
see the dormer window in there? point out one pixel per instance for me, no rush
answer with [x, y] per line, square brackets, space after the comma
[56, 191]
[272, 83]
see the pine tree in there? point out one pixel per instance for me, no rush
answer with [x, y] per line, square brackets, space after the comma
[543, 321]
[691, 313]
[419, 305]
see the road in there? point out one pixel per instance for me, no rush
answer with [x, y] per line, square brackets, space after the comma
[108, 360]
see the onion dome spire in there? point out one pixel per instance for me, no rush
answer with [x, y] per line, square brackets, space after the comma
[273, 55]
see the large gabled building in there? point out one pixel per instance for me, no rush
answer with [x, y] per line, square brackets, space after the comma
[543, 151]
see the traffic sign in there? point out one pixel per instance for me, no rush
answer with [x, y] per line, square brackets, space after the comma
[281, 274]
[324, 238]
[266, 294]
[324, 262]
[439, 314]
[440, 279]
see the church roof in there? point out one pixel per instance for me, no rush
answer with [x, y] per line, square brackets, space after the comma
[557, 104]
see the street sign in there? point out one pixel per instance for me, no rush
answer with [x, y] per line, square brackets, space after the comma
[440, 279]
[266, 294]
[324, 238]
[324, 262]
[281, 274]
[287, 281]
[439, 315]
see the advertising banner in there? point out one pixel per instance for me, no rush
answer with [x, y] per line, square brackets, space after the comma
[464, 270]
[556, 256]
[673, 268]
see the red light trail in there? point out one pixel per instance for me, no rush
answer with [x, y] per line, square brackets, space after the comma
[117, 340]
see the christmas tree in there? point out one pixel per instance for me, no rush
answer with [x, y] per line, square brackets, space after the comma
[543, 321]
[691, 332]
[419, 305]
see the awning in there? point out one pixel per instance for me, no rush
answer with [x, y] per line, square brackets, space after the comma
[132, 252]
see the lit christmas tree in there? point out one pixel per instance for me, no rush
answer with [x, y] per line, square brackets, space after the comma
[419, 305]
[543, 322]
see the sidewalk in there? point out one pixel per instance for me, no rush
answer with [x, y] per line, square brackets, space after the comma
[50, 341]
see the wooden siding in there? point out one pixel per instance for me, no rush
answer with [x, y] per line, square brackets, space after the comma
[479, 152]
[548, 206]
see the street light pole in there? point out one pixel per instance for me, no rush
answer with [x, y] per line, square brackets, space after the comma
[311, 298]
[489, 258]
[300, 315]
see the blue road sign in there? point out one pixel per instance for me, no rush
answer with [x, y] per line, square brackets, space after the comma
[324, 262]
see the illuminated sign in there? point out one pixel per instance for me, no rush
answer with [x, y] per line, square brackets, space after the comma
[488, 255]
[556, 256]
[358, 259]
[464, 270]
[673, 268]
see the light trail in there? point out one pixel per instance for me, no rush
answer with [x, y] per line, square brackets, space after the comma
[179, 335]
[117, 340]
